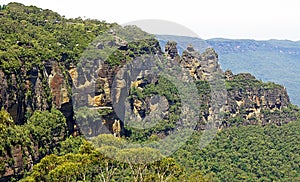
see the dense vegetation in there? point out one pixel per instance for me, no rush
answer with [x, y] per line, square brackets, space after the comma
[42, 144]
[247, 153]
[103, 163]
[38, 137]
[30, 36]
[251, 153]
[244, 81]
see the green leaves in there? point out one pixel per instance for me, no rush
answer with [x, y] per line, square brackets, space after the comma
[47, 128]
[71, 145]
[130, 165]
[44, 130]
[138, 155]
[108, 140]
[251, 153]
[5, 120]
[246, 81]
[33, 35]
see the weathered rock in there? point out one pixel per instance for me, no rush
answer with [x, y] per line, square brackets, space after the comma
[171, 50]
[50, 85]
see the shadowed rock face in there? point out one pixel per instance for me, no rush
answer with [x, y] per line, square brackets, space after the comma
[37, 89]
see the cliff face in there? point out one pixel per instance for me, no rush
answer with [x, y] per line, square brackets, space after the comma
[37, 89]
[257, 102]
[248, 100]
[100, 87]
[39, 82]
[33, 83]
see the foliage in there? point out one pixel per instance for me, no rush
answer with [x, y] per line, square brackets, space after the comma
[5, 120]
[70, 145]
[164, 88]
[2, 7]
[108, 140]
[247, 153]
[44, 129]
[13, 139]
[30, 36]
[244, 81]
[133, 50]
[92, 165]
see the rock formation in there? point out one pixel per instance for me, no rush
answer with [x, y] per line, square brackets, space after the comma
[104, 86]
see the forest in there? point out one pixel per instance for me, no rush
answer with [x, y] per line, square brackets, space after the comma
[39, 140]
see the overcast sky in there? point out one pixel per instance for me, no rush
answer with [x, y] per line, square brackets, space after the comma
[238, 19]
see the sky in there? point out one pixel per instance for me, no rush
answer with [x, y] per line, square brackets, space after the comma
[235, 19]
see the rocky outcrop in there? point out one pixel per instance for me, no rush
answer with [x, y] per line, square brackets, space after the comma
[99, 86]
[257, 102]
[39, 88]
[171, 50]
[247, 100]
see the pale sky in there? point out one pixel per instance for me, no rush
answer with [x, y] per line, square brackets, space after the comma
[236, 19]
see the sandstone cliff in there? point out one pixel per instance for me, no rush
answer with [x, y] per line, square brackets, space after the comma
[102, 86]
